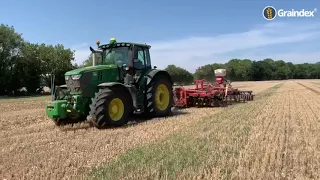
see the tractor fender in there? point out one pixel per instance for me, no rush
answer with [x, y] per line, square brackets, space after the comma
[155, 72]
[117, 85]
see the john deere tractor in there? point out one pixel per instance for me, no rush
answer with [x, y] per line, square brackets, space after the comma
[120, 83]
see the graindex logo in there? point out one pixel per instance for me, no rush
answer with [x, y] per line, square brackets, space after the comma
[269, 13]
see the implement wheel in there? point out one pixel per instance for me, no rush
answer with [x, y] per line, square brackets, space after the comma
[159, 97]
[109, 108]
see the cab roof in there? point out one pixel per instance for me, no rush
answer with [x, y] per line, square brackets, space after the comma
[123, 44]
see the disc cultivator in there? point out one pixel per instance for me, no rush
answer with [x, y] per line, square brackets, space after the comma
[218, 94]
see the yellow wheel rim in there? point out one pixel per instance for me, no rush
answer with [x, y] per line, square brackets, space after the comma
[116, 109]
[162, 97]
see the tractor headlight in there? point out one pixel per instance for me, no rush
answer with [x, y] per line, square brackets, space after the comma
[66, 78]
[76, 77]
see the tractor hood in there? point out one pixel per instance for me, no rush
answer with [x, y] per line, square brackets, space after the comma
[89, 69]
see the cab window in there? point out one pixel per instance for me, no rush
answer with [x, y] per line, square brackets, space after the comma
[143, 60]
[115, 55]
[141, 56]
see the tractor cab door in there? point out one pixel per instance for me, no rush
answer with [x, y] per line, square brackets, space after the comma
[139, 63]
[140, 60]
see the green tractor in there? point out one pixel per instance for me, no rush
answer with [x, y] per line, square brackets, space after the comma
[120, 83]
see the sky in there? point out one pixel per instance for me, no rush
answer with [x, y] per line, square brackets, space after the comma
[186, 33]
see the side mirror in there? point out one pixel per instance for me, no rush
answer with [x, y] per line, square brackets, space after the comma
[154, 67]
[91, 49]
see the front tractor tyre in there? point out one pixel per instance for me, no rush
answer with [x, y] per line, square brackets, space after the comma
[159, 97]
[109, 108]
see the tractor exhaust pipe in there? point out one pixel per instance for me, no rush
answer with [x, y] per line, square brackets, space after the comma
[93, 59]
[94, 55]
[53, 89]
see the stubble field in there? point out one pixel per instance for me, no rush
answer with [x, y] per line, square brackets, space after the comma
[273, 137]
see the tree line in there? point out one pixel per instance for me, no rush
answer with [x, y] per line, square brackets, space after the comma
[31, 65]
[248, 70]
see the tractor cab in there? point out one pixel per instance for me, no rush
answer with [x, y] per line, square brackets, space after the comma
[130, 58]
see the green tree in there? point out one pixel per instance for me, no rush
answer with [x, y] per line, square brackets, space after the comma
[179, 75]
[283, 71]
[10, 54]
[266, 69]
[56, 60]
[30, 65]
[240, 70]
[89, 60]
[207, 71]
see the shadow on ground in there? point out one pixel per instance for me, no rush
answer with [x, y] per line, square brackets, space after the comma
[139, 119]
[136, 119]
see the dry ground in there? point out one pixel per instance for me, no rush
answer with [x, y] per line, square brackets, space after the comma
[272, 137]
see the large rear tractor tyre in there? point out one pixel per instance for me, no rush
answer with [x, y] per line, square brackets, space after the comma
[109, 108]
[159, 97]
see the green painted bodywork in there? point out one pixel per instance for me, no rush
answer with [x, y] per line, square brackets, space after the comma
[90, 69]
[57, 109]
[97, 74]
[62, 109]
[78, 101]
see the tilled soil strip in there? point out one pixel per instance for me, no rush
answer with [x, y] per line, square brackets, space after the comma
[309, 88]
[283, 144]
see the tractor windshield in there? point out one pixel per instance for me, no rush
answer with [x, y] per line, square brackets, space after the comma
[115, 55]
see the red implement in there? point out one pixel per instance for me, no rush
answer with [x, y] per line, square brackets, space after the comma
[209, 95]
